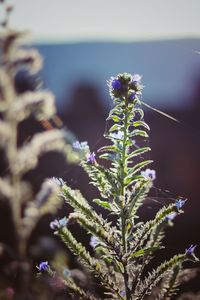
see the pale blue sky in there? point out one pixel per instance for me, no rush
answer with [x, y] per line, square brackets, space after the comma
[120, 20]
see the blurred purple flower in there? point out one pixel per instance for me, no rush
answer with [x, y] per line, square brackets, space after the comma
[94, 241]
[171, 216]
[180, 203]
[80, 146]
[116, 84]
[191, 249]
[58, 181]
[136, 78]
[43, 266]
[63, 222]
[91, 158]
[66, 272]
[149, 174]
[58, 223]
[132, 95]
[54, 224]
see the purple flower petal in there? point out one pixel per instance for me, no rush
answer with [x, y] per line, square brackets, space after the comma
[180, 203]
[136, 78]
[116, 84]
[43, 266]
[149, 174]
[58, 223]
[91, 158]
[171, 216]
[191, 249]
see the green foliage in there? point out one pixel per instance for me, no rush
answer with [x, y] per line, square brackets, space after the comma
[123, 249]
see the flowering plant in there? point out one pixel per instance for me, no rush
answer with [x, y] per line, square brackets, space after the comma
[123, 244]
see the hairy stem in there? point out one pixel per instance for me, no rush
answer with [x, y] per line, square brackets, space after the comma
[11, 154]
[123, 216]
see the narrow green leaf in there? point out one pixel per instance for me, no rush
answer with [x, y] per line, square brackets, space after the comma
[103, 204]
[144, 251]
[138, 132]
[115, 127]
[138, 167]
[116, 118]
[108, 148]
[141, 123]
[108, 156]
[130, 180]
[139, 152]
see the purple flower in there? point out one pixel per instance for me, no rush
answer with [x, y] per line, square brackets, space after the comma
[116, 84]
[76, 145]
[136, 78]
[94, 241]
[91, 158]
[180, 203]
[58, 181]
[123, 293]
[66, 272]
[171, 216]
[80, 146]
[54, 224]
[132, 95]
[63, 222]
[43, 266]
[191, 249]
[149, 174]
[58, 223]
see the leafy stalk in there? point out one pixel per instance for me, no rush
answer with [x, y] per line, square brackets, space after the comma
[123, 250]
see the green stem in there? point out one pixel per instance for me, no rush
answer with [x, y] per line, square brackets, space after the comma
[123, 216]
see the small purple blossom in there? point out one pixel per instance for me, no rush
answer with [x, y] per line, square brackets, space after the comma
[136, 78]
[132, 95]
[180, 203]
[94, 241]
[63, 222]
[43, 266]
[58, 181]
[80, 146]
[76, 145]
[116, 84]
[91, 158]
[54, 224]
[58, 223]
[171, 216]
[149, 174]
[191, 249]
[66, 272]
[123, 293]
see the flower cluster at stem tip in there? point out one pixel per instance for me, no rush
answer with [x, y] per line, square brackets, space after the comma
[125, 86]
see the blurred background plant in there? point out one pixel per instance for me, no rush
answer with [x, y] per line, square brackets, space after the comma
[23, 206]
